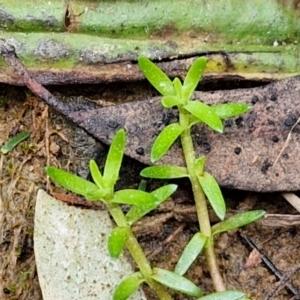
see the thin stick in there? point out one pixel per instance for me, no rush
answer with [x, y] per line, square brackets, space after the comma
[283, 282]
[7, 51]
[270, 265]
[286, 142]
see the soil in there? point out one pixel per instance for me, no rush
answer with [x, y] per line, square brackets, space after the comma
[55, 141]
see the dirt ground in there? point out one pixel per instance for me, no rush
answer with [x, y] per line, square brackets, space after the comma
[55, 141]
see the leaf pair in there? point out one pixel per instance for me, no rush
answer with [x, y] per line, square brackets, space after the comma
[142, 203]
[92, 192]
[212, 115]
[207, 182]
[160, 195]
[170, 279]
[198, 241]
[200, 112]
[112, 164]
[104, 185]
[174, 281]
[174, 92]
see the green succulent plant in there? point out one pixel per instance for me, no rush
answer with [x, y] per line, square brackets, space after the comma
[205, 187]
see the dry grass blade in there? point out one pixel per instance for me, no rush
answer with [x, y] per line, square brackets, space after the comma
[293, 199]
[286, 142]
[277, 220]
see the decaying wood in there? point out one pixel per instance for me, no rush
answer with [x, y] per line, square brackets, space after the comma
[280, 220]
[86, 41]
[240, 158]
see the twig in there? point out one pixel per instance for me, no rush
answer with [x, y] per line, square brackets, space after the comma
[7, 51]
[286, 142]
[283, 282]
[272, 267]
[47, 144]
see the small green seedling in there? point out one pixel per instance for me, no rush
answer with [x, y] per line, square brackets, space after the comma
[204, 185]
[141, 203]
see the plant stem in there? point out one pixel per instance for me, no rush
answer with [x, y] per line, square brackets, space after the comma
[200, 201]
[138, 254]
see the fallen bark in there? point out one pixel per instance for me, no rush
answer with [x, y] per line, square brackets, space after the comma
[244, 21]
[88, 42]
[240, 158]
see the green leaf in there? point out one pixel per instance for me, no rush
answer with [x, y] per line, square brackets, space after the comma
[164, 192]
[71, 182]
[165, 172]
[178, 87]
[96, 195]
[128, 286]
[13, 142]
[193, 77]
[134, 197]
[116, 241]
[199, 165]
[170, 101]
[206, 114]
[156, 76]
[194, 120]
[225, 295]
[190, 253]
[237, 221]
[96, 174]
[228, 110]
[176, 282]
[213, 194]
[114, 158]
[165, 140]
[161, 194]
[224, 111]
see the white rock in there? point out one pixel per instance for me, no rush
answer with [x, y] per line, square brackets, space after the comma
[70, 247]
